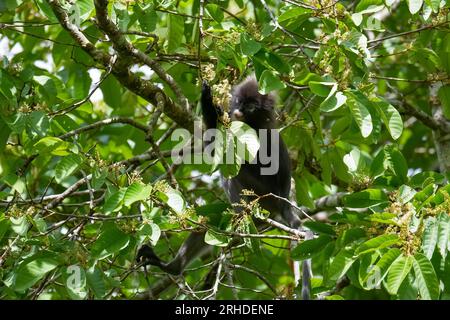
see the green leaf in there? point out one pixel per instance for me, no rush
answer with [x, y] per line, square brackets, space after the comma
[150, 232]
[377, 243]
[307, 248]
[376, 275]
[277, 62]
[354, 160]
[434, 4]
[33, 269]
[418, 180]
[110, 242]
[340, 264]
[443, 221]
[5, 225]
[175, 32]
[269, 82]
[214, 11]
[444, 96]
[20, 225]
[216, 239]
[4, 134]
[333, 102]
[52, 145]
[16, 183]
[136, 192]
[212, 208]
[114, 201]
[426, 277]
[391, 160]
[360, 113]
[322, 89]
[95, 282]
[397, 273]
[320, 227]
[46, 10]
[365, 199]
[430, 237]
[293, 12]
[147, 18]
[414, 5]
[405, 194]
[253, 243]
[175, 200]
[67, 166]
[249, 46]
[391, 118]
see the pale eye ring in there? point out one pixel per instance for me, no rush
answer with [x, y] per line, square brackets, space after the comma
[250, 107]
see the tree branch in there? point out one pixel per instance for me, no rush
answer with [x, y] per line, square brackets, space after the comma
[105, 122]
[126, 49]
[121, 70]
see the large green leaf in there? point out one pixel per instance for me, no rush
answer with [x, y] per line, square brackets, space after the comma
[110, 242]
[114, 201]
[379, 271]
[269, 81]
[307, 248]
[443, 221]
[136, 192]
[414, 5]
[249, 46]
[430, 237]
[216, 239]
[360, 113]
[175, 200]
[398, 272]
[426, 277]
[67, 166]
[365, 199]
[175, 32]
[391, 118]
[341, 263]
[33, 269]
[377, 243]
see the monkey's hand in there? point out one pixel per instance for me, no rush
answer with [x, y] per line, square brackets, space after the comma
[210, 111]
[146, 255]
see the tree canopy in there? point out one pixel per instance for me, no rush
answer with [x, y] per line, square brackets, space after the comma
[92, 91]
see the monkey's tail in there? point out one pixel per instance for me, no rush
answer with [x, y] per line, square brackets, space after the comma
[307, 272]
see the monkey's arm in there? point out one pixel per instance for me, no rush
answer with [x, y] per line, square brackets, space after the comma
[189, 250]
[210, 111]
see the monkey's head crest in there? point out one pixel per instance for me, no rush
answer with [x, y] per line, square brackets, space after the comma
[252, 107]
[247, 91]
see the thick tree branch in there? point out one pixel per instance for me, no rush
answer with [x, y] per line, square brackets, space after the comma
[121, 70]
[105, 122]
[126, 49]
[433, 123]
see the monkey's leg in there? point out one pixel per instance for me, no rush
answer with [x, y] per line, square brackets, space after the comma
[294, 222]
[191, 248]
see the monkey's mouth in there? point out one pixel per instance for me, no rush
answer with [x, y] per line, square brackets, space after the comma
[237, 115]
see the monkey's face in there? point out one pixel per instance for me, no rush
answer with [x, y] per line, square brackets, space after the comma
[254, 112]
[243, 110]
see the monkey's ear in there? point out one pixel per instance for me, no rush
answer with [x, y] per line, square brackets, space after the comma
[269, 100]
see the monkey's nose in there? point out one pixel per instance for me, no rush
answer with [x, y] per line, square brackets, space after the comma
[237, 114]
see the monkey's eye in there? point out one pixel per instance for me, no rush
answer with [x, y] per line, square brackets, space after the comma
[251, 107]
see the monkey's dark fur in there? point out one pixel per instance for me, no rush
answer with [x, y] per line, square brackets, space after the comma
[257, 110]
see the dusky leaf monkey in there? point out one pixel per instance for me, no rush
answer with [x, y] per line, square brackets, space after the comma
[257, 110]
